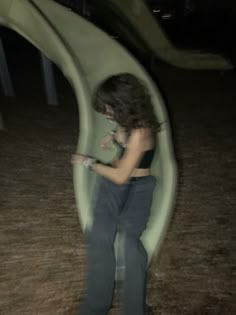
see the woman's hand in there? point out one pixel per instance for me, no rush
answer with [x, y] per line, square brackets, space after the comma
[121, 136]
[78, 158]
[106, 142]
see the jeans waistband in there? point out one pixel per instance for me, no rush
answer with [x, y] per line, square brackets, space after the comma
[134, 179]
[141, 178]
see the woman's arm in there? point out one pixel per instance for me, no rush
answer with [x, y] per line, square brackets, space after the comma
[115, 163]
[112, 173]
[125, 166]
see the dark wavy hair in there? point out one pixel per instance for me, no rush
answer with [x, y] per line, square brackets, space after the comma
[129, 99]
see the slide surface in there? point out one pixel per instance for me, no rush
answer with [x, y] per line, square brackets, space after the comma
[86, 56]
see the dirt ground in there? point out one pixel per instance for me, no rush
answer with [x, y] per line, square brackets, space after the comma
[42, 260]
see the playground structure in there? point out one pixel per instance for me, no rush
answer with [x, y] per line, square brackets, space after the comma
[139, 23]
[77, 48]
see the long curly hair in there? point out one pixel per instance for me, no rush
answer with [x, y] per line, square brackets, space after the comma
[129, 99]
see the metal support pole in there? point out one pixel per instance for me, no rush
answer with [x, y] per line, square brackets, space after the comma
[5, 77]
[2, 126]
[49, 81]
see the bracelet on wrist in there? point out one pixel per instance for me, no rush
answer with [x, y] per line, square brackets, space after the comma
[88, 163]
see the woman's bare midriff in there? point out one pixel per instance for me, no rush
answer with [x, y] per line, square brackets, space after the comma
[138, 172]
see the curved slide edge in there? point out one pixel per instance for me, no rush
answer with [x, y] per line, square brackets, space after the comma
[77, 47]
[149, 29]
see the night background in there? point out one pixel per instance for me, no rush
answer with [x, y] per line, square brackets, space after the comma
[42, 264]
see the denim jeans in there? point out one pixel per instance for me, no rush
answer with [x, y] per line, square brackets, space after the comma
[124, 208]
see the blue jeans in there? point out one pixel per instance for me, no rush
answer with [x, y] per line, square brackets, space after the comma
[124, 208]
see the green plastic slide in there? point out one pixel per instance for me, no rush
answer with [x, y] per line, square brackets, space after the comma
[86, 55]
[138, 17]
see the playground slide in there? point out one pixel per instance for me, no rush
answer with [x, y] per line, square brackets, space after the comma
[86, 55]
[139, 20]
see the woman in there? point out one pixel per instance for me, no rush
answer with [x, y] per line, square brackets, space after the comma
[124, 196]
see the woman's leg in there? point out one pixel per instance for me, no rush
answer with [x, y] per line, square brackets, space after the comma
[134, 219]
[101, 263]
[100, 269]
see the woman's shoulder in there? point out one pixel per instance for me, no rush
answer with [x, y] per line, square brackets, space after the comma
[141, 135]
[142, 132]
[144, 137]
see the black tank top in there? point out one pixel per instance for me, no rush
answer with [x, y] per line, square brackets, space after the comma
[146, 160]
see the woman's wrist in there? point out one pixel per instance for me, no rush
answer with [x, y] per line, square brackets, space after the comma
[89, 162]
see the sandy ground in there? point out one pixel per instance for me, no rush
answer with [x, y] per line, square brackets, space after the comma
[42, 260]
